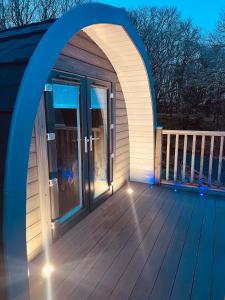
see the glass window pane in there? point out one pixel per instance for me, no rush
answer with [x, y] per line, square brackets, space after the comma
[100, 140]
[65, 96]
[68, 148]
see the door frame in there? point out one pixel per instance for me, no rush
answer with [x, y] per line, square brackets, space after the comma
[108, 86]
[59, 227]
[85, 82]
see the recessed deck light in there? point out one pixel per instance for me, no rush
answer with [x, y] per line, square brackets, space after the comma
[130, 191]
[47, 270]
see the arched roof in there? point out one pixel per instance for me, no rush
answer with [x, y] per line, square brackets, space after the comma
[111, 29]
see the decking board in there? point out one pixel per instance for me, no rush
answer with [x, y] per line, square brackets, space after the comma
[154, 244]
[136, 274]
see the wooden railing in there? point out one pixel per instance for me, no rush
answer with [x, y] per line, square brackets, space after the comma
[190, 158]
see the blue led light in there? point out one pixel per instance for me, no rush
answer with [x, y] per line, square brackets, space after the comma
[175, 190]
[68, 174]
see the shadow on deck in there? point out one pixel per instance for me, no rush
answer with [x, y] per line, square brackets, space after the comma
[152, 244]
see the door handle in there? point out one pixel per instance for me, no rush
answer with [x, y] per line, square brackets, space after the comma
[91, 146]
[86, 140]
[91, 140]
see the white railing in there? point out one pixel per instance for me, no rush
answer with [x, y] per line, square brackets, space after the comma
[190, 157]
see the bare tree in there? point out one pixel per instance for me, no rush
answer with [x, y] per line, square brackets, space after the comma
[3, 15]
[189, 72]
[171, 46]
[21, 12]
[66, 5]
[218, 37]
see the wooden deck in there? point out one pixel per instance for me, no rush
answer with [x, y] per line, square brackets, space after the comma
[153, 244]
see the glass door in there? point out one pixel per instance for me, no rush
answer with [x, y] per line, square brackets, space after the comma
[65, 150]
[79, 133]
[68, 148]
[99, 134]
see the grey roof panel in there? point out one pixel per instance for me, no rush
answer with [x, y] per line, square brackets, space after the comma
[27, 29]
[14, 50]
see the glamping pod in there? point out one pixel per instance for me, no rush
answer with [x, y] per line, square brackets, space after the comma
[77, 121]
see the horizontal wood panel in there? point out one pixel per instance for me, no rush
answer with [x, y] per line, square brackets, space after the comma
[123, 164]
[32, 160]
[33, 230]
[33, 145]
[120, 104]
[122, 150]
[32, 189]
[33, 217]
[123, 173]
[123, 134]
[75, 66]
[123, 157]
[119, 96]
[121, 128]
[121, 112]
[123, 177]
[87, 57]
[121, 120]
[34, 247]
[122, 142]
[32, 203]
[32, 174]
[82, 41]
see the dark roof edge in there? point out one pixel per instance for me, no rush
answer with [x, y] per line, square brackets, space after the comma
[28, 25]
[26, 30]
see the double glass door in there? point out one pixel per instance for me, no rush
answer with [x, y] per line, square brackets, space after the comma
[78, 114]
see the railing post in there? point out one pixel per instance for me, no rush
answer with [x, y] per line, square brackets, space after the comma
[158, 155]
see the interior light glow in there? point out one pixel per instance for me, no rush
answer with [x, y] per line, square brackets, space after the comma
[52, 225]
[130, 191]
[175, 190]
[47, 270]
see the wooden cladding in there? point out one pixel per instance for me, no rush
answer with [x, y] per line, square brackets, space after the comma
[80, 56]
[33, 216]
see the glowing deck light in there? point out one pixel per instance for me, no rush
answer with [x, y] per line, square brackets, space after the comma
[130, 191]
[175, 190]
[201, 194]
[47, 270]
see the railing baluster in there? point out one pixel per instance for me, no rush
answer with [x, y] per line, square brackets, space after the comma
[176, 157]
[188, 175]
[168, 157]
[220, 161]
[184, 158]
[158, 155]
[202, 160]
[211, 161]
[193, 158]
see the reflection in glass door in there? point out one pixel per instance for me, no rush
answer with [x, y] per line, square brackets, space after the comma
[68, 148]
[99, 140]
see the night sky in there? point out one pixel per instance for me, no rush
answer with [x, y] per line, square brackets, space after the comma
[204, 13]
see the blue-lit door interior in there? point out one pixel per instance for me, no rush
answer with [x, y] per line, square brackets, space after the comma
[66, 105]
